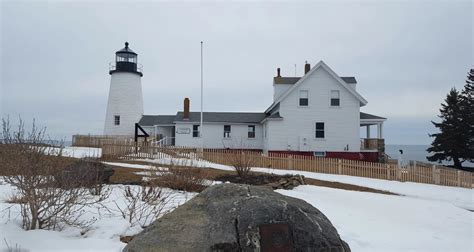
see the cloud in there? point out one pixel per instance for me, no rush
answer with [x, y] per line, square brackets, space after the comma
[55, 55]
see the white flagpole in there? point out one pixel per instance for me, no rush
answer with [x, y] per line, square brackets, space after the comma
[202, 87]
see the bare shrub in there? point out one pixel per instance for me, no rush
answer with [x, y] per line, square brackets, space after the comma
[141, 205]
[241, 157]
[31, 166]
[87, 172]
[243, 161]
[183, 175]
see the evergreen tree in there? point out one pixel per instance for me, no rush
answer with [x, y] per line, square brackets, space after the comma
[450, 143]
[467, 106]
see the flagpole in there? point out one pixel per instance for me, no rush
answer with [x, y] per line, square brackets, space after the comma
[202, 87]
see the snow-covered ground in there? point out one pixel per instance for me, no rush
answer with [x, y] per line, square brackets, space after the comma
[79, 152]
[379, 222]
[461, 197]
[423, 218]
[104, 234]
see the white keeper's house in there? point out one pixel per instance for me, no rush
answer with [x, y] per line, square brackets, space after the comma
[316, 114]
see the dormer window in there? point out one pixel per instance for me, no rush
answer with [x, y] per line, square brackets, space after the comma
[304, 101]
[335, 100]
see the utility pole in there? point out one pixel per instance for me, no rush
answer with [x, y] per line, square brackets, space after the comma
[202, 97]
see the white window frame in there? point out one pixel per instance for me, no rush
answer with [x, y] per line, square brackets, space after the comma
[254, 131]
[319, 153]
[300, 92]
[316, 131]
[338, 97]
[227, 134]
[198, 131]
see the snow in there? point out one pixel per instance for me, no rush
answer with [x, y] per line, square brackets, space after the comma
[423, 218]
[379, 222]
[126, 165]
[461, 197]
[104, 234]
[79, 152]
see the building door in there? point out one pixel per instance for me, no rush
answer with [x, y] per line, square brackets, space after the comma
[304, 143]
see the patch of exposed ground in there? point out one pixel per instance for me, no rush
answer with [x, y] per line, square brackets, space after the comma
[128, 176]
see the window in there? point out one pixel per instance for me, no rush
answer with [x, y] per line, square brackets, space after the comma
[335, 98]
[117, 120]
[251, 131]
[196, 132]
[319, 153]
[226, 131]
[319, 130]
[304, 98]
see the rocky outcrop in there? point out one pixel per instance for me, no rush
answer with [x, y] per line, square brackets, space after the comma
[287, 183]
[230, 217]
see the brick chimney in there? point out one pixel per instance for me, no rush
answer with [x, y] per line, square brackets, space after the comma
[278, 72]
[307, 67]
[186, 109]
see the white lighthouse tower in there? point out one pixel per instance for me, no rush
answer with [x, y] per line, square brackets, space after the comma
[125, 104]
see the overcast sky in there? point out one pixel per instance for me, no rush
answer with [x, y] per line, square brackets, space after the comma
[405, 55]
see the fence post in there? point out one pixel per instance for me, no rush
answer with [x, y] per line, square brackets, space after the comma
[434, 171]
[459, 178]
[339, 166]
[388, 172]
[398, 172]
[290, 162]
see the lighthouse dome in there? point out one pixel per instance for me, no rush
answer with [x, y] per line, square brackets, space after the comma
[126, 61]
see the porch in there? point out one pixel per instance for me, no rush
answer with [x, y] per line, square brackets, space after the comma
[370, 142]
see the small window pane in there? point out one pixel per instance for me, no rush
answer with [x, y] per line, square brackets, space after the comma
[319, 130]
[303, 98]
[226, 131]
[304, 94]
[196, 132]
[335, 100]
[117, 120]
[251, 131]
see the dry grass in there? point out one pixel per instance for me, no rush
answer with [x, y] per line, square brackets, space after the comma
[126, 174]
[189, 179]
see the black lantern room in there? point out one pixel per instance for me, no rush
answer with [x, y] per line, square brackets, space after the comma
[126, 61]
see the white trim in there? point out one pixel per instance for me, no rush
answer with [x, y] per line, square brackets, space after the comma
[299, 98]
[271, 119]
[363, 102]
[330, 98]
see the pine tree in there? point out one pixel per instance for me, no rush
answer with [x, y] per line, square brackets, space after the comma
[450, 143]
[467, 106]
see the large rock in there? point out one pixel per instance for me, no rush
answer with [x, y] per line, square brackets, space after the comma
[230, 217]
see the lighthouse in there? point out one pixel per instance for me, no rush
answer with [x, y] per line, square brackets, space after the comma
[125, 103]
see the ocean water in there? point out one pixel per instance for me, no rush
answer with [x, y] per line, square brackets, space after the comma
[414, 152]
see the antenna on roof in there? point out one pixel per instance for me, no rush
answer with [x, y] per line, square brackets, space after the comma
[295, 70]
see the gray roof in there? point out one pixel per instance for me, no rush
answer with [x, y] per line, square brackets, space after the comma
[225, 117]
[230, 117]
[126, 49]
[285, 80]
[293, 80]
[349, 80]
[276, 115]
[151, 120]
[369, 116]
